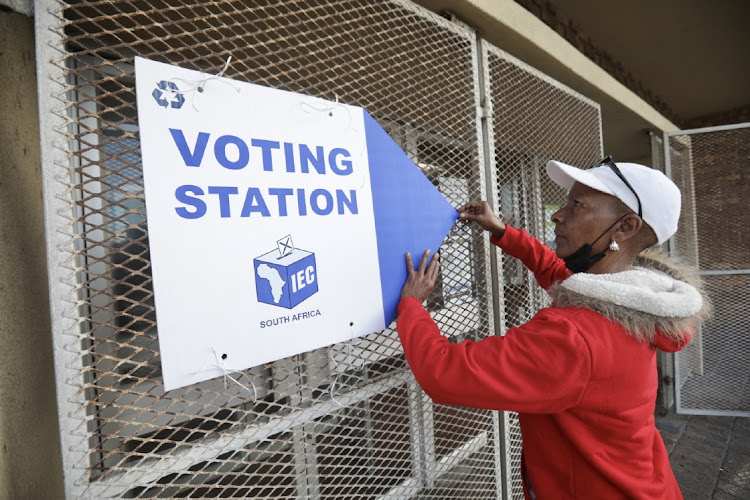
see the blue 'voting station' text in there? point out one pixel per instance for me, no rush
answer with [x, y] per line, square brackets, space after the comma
[276, 156]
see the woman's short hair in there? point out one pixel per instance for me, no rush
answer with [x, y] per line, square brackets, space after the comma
[646, 236]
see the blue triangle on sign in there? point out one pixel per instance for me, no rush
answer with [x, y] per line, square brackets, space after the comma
[411, 214]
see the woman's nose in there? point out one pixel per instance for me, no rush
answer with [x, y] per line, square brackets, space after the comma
[557, 217]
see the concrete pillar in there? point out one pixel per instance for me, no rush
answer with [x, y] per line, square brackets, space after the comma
[30, 460]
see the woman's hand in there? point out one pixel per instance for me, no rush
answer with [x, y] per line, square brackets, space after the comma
[419, 283]
[480, 212]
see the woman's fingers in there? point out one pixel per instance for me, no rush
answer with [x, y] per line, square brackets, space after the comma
[434, 267]
[409, 265]
[423, 262]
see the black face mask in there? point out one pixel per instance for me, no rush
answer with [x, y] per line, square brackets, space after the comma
[581, 260]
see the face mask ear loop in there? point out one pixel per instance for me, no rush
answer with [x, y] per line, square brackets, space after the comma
[606, 230]
[582, 260]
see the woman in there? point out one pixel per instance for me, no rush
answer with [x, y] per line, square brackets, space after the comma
[581, 373]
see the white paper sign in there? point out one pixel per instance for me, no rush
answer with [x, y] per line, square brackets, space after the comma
[261, 220]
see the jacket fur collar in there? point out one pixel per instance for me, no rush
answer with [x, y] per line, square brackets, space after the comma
[658, 297]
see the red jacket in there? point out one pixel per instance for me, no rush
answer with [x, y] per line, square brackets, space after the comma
[584, 388]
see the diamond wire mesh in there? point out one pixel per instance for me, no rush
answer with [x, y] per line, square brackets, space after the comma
[714, 370]
[414, 72]
[684, 244]
[534, 119]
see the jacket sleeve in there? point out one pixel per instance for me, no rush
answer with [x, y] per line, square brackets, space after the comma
[670, 343]
[547, 267]
[542, 366]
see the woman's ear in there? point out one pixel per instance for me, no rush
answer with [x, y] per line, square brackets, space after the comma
[630, 226]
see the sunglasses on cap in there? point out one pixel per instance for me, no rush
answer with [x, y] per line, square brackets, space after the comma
[609, 162]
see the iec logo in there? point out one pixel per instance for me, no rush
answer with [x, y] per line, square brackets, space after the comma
[285, 276]
[167, 94]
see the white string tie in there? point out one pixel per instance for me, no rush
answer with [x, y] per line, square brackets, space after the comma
[326, 106]
[351, 348]
[226, 372]
[200, 86]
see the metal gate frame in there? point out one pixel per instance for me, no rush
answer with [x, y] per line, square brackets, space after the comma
[681, 366]
[66, 296]
[523, 199]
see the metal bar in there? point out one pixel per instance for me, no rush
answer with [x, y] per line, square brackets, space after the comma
[718, 128]
[460, 454]
[57, 203]
[406, 489]
[601, 131]
[305, 464]
[415, 435]
[688, 175]
[670, 249]
[498, 447]
[496, 258]
[492, 194]
[717, 413]
[665, 360]
[528, 218]
[508, 456]
[211, 447]
[428, 438]
[722, 272]
[487, 179]
[502, 445]
[668, 173]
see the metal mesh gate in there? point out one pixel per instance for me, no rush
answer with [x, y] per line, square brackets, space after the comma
[533, 119]
[711, 168]
[380, 436]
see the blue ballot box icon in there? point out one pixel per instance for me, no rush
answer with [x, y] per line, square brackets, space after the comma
[285, 280]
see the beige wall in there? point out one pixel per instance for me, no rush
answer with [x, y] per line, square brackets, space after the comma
[30, 464]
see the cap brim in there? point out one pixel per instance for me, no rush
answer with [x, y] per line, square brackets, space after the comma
[566, 175]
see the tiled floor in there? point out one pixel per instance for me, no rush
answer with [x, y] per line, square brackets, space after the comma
[710, 455]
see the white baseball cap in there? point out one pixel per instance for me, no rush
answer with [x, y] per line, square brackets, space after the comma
[660, 198]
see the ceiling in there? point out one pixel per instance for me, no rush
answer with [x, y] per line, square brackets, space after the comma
[693, 54]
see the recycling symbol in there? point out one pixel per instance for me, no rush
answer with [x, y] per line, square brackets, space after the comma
[168, 95]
